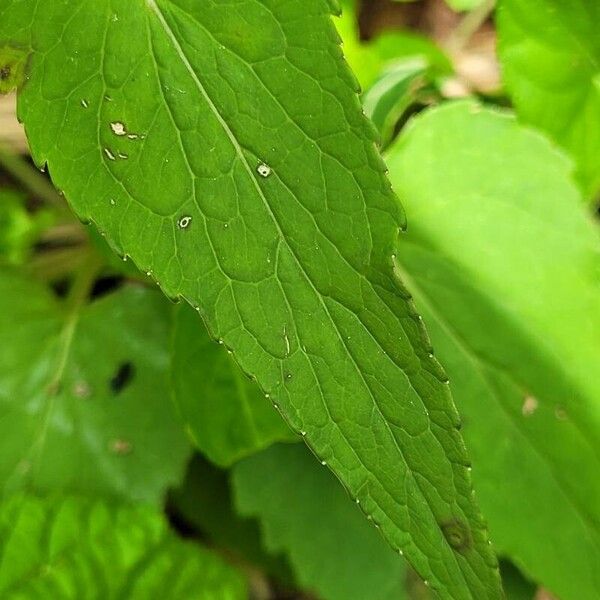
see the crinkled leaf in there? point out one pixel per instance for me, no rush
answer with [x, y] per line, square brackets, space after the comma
[504, 263]
[226, 151]
[550, 58]
[84, 398]
[225, 413]
[77, 549]
[305, 514]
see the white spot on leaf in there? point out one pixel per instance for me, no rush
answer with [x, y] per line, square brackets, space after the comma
[118, 128]
[184, 222]
[264, 170]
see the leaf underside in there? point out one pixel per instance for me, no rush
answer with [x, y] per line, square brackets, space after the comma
[224, 150]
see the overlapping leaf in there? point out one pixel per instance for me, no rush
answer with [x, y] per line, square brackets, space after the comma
[306, 515]
[79, 549]
[225, 414]
[84, 398]
[227, 153]
[503, 261]
[550, 58]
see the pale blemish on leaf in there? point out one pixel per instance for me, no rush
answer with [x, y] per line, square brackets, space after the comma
[12, 68]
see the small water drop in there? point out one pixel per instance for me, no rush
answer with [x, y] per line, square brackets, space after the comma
[123, 156]
[323, 462]
[113, 202]
[264, 170]
[109, 154]
[84, 103]
[184, 222]
[303, 433]
[400, 552]
[357, 501]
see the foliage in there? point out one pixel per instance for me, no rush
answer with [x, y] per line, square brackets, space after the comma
[228, 153]
[76, 548]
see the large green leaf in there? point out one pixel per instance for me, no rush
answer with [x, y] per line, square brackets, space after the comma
[225, 414]
[305, 514]
[550, 54]
[84, 400]
[79, 549]
[226, 152]
[503, 261]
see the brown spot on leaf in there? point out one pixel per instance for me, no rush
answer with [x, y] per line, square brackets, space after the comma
[457, 534]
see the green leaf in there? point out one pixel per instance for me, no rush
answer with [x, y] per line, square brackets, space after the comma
[19, 229]
[370, 59]
[225, 413]
[227, 152]
[515, 585]
[304, 513]
[502, 259]
[551, 64]
[12, 67]
[463, 5]
[204, 501]
[75, 548]
[388, 99]
[84, 400]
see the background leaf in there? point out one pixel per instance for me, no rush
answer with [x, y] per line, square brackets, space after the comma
[75, 548]
[550, 59]
[503, 261]
[84, 400]
[204, 502]
[304, 513]
[225, 413]
[227, 153]
[369, 59]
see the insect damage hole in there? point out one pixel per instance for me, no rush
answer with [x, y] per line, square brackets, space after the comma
[122, 377]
